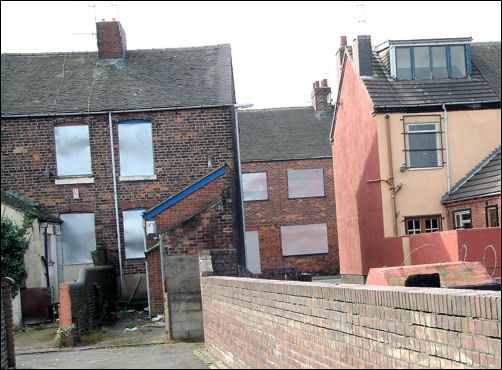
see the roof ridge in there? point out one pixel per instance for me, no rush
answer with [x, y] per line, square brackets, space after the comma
[474, 171]
[276, 108]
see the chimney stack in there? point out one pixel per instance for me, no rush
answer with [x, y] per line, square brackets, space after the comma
[339, 58]
[111, 42]
[362, 55]
[321, 97]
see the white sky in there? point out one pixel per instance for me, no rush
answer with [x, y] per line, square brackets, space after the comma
[278, 48]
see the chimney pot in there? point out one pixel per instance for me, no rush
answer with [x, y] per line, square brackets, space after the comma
[324, 83]
[316, 84]
[343, 41]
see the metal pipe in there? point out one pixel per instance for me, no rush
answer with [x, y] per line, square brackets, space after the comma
[391, 175]
[239, 169]
[117, 219]
[447, 148]
[147, 277]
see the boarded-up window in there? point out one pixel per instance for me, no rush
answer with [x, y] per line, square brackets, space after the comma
[134, 233]
[73, 152]
[254, 186]
[304, 239]
[78, 237]
[135, 148]
[305, 183]
[253, 252]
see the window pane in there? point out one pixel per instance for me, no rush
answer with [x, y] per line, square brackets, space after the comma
[463, 219]
[135, 148]
[254, 186]
[305, 183]
[133, 234]
[431, 225]
[422, 63]
[403, 62]
[439, 69]
[73, 153]
[413, 226]
[457, 54]
[78, 237]
[304, 239]
[253, 252]
[492, 217]
[423, 145]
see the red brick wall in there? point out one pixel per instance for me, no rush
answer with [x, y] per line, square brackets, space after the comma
[478, 211]
[8, 344]
[255, 323]
[182, 141]
[268, 216]
[155, 282]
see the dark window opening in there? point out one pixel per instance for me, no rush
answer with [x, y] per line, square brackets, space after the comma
[423, 280]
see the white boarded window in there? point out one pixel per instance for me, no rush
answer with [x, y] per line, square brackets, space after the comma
[73, 152]
[135, 148]
[304, 239]
[253, 252]
[254, 186]
[134, 233]
[305, 183]
[78, 237]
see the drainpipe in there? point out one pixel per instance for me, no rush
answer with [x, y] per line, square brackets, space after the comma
[447, 148]
[239, 168]
[391, 175]
[147, 274]
[116, 204]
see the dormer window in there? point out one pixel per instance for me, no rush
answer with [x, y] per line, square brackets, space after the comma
[424, 62]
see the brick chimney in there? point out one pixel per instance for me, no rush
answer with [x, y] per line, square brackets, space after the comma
[321, 97]
[362, 55]
[111, 42]
[339, 58]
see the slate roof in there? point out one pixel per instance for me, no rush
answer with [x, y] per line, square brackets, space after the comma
[147, 79]
[284, 133]
[482, 181]
[25, 205]
[483, 85]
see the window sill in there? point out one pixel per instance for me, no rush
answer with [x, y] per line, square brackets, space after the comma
[138, 178]
[423, 168]
[74, 180]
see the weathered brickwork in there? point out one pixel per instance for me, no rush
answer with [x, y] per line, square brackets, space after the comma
[87, 302]
[254, 323]
[8, 345]
[477, 208]
[183, 140]
[267, 216]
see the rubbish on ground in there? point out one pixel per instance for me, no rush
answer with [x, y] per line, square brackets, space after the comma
[128, 311]
[158, 317]
[133, 329]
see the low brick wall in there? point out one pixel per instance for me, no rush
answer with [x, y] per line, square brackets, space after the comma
[8, 346]
[254, 323]
[86, 302]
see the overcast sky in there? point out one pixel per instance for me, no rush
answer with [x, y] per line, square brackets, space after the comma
[278, 48]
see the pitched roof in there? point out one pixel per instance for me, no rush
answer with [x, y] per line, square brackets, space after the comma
[482, 181]
[25, 205]
[481, 87]
[284, 133]
[147, 79]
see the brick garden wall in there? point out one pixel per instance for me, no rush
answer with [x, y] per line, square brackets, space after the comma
[182, 142]
[8, 359]
[87, 302]
[253, 323]
[267, 216]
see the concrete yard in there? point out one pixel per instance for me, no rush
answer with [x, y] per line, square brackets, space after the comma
[134, 341]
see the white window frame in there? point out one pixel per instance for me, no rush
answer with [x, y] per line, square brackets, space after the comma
[460, 221]
[437, 147]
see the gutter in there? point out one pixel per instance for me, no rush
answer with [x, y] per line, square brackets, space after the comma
[114, 111]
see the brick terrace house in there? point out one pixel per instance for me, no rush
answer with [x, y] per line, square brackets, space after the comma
[412, 119]
[100, 137]
[288, 190]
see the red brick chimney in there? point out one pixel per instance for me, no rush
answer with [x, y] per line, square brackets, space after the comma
[321, 97]
[111, 41]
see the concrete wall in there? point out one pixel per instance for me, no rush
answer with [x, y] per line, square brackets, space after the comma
[87, 302]
[254, 323]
